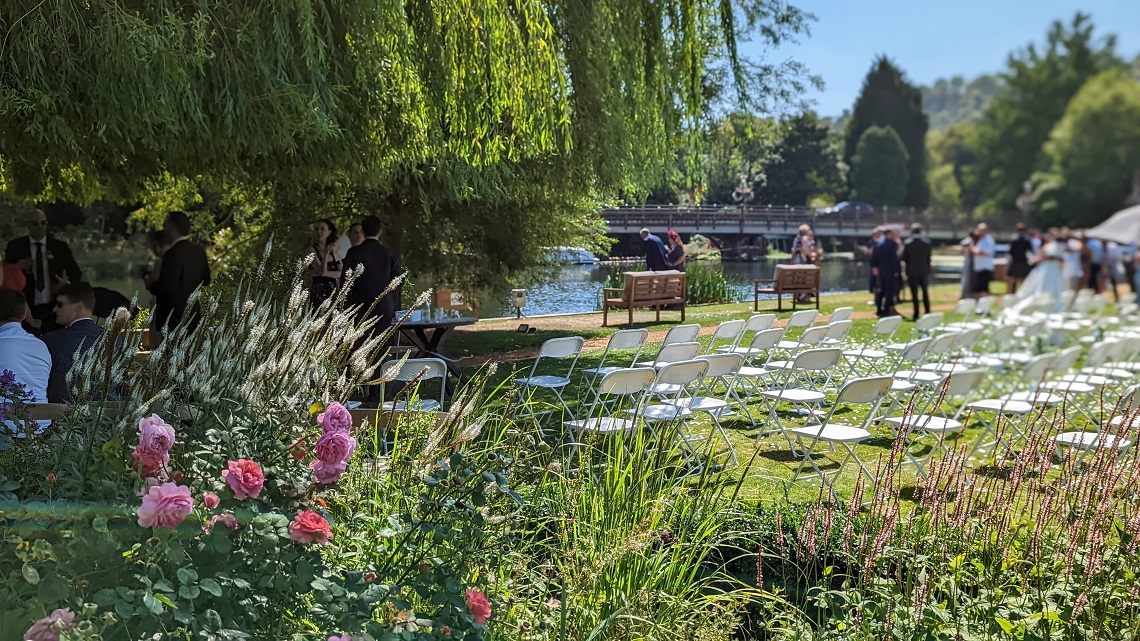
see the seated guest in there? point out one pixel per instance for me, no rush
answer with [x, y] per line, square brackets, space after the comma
[73, 309]
[21, 353]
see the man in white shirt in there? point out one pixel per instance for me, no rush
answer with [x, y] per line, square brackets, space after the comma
[21, 353]
[983, 251]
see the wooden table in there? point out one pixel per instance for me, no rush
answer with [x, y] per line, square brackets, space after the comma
[428, 337]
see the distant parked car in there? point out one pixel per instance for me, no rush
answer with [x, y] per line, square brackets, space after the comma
[848, 208]
[572, 256]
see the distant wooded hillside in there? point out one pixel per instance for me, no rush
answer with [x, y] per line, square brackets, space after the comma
[953, 101]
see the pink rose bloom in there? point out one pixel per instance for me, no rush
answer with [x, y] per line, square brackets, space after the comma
[335, 417]
[49, 627]
[210, 500]
[245, 478]
[150, 463]
[336, 447]
[155, 436]
[228, 520]
[309, 527]
[341, 638]
[166, 506]
[327, 473]
[479, 605]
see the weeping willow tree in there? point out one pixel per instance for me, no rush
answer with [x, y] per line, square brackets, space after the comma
[480, 131]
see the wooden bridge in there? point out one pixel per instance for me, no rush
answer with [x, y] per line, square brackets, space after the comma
[775, 222]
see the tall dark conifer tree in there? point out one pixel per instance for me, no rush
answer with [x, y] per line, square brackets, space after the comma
[887, 99]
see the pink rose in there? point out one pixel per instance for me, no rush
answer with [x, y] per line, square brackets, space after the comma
[336, 447]
[165, 505]
[479, 605]
[155, 436]
[210, 500]
[341, 638]
[228, 520]
[49, 627]
[335, 417]
[309, 527]
[150, 463]
[245, 478]
[327, 473]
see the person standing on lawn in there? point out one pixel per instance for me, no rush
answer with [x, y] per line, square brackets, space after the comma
[916, 255]
[888, 271]
[654, 251]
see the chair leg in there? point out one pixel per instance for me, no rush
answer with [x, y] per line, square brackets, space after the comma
[605, 314]
[631, 314]
[682, 311]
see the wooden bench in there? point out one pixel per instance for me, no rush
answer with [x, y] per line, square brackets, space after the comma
[646, 289]
[790, 279]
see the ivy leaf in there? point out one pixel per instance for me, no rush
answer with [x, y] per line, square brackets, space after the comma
[188, 592]
[153, 605]
[211, 586]
[186, 575]
[31, 575]
[99, 524]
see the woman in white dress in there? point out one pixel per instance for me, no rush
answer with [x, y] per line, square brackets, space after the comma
[1046, 277]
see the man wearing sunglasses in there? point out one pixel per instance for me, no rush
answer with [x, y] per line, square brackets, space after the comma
[47, 263]
[78, 333]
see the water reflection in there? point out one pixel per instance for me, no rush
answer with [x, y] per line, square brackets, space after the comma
[577, 288]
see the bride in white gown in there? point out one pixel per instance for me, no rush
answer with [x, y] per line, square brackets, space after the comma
[1045, 279]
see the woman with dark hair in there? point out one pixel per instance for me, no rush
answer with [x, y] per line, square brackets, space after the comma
[675, 257]
[325, 267]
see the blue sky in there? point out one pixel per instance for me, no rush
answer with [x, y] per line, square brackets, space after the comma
[931, 40]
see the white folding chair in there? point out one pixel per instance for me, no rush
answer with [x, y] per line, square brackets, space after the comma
[1015, 412]
[836, 332]
[569, 347]
[681, 334]
[621, 341]
[728, 331]
[863, 391]
[418, 370]
[1080, 397]
[872, 356]
[809, 338]
[1120, 434]
[754, 369]
[755, 324]
[841, 313]
[674, 353]
[722, 371]
[923, 328]
[934, 420]
[671, 417]
[796, 387]
[617, 388]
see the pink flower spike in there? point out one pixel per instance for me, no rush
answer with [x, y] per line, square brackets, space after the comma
[49, 627]
[334, 418]
[245, 478]
[165, 505]
[479, 605]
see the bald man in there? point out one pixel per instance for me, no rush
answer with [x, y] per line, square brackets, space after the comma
[47, 263]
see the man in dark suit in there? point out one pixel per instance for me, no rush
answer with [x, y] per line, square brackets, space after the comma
[887, 269]
[916, 255]
[184, 269]
[654, 252]
[47, 264]
[73, 309]
[380, 267]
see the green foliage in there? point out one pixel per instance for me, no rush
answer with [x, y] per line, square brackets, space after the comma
[888, 100]
[879, 173]
[1094, 150]
[956, 101]
[803, 163]
[1038, 85]
[738, 147]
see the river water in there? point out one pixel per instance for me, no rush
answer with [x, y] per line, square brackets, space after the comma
[577, 288]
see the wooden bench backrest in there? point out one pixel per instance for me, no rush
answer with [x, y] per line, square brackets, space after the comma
[654, 285]
[799, 277]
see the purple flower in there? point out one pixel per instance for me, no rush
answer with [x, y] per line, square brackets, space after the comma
[326, 473]
[8, 377]
[335, 418]
[335, 447]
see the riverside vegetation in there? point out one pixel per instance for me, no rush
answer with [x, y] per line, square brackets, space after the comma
[226, 495]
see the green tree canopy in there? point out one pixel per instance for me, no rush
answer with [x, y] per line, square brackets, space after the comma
[879, 170]
[445, 117]
[888, 100]
[1038, 85]
[1093, 150]
[954, 101]
[803, 163]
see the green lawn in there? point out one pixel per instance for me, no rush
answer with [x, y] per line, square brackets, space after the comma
[766, 462]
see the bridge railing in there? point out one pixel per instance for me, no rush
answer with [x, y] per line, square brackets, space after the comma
[782, 219]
